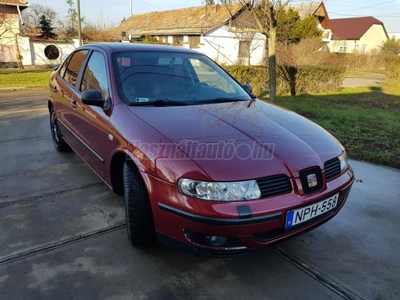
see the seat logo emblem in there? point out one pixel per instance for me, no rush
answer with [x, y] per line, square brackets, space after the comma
[312, 180]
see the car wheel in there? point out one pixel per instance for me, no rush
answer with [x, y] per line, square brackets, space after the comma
[139, 217]
[58, 141]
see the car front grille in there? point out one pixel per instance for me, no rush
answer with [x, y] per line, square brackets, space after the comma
[332, 168]
[274, 185]
[304, 178]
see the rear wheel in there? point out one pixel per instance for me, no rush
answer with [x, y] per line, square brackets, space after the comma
[58, 141]
[139, 216]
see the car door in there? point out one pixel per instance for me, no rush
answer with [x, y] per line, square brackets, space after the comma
[92, 121]
[66, 95]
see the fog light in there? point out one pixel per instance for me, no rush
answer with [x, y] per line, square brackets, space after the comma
[217, 241]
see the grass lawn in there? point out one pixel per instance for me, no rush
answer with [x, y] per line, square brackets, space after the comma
[366, 120]
[25, 79]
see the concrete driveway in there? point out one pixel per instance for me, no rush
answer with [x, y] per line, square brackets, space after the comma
[63, 235]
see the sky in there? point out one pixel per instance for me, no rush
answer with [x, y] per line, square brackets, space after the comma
[111, 12]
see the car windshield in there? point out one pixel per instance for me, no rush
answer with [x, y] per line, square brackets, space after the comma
[149, 78]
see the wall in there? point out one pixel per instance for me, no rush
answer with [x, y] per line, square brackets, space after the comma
[373, 38]
[222, 45]
[9, 29]
[33, 51]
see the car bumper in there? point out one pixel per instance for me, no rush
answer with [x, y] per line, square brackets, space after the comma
[191, 224]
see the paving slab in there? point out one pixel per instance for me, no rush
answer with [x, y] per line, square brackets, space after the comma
[107, 267]
[53, 219]
[359, 247]
[30, 165]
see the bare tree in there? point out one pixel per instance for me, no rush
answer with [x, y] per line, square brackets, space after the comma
[264, 15]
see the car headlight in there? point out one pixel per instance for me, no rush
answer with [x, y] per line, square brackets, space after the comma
[220, 191]
[344, 164]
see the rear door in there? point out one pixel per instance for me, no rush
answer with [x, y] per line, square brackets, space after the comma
[92, 121]
[67, 95]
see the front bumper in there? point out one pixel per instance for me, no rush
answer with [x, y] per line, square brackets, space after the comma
[191, 224]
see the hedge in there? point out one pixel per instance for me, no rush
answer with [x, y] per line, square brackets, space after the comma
[293, 80]
[392, 70]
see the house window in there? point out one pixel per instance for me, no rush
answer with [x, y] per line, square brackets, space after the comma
[194, 41]
[364, 49]
[343, 49]
[178, 40]
[244, 49]
[51, 52]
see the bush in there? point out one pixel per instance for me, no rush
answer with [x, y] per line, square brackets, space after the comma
[392, 70]
[293, 80]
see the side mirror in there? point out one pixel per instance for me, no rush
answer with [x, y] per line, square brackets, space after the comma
[93, 97]
[248, 88]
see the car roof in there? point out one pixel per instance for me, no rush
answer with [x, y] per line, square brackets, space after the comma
[129, 47]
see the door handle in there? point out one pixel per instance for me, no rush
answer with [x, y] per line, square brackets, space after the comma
[74, 106]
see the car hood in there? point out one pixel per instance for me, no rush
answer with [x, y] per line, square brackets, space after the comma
[242, 140]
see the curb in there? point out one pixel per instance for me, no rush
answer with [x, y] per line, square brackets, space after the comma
[18, 89]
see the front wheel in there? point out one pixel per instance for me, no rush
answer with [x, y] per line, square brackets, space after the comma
[58, 141]
[139, 216]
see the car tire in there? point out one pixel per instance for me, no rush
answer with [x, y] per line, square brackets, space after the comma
[57, 138]
[138, 213]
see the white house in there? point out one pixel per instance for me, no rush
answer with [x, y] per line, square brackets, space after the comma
[357, 35]
[211, 29]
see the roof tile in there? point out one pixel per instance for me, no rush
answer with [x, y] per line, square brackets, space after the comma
[194, 20]
[14, 2]
[352, 28]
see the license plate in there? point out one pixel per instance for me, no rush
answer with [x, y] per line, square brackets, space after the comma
[300, 215]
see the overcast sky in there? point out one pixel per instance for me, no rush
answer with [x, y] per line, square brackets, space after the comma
[111, 12]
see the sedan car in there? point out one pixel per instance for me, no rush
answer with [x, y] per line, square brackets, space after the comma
[201, 162]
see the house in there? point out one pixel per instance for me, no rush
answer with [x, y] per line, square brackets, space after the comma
[210, 29]
[10, 20]
[357, 35]
[318, 10]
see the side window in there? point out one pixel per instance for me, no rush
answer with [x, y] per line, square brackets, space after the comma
[75, 63]
[95, 76]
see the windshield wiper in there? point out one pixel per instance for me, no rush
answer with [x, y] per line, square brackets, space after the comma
[222, 100]
[160, 102]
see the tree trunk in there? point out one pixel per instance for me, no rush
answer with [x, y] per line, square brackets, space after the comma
[272, 63]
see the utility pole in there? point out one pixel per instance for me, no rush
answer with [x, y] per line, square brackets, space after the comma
[131, 7]
[78, 10]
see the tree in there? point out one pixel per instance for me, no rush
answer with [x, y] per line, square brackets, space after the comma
[31, 17]
[291, 28]
[264, 14]
[391, 46]
[46, 28]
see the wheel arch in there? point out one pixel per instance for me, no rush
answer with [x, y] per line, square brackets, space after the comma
[116, 170]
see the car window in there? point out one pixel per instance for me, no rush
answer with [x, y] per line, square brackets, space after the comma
[63, 67]
[74, 65]
[95, 76]
[207, 76]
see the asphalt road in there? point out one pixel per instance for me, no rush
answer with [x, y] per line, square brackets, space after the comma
[63, 235]
[367, 79]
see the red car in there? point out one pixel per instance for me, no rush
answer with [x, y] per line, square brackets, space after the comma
[201, 162]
